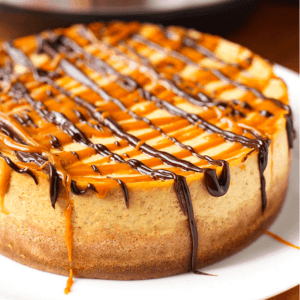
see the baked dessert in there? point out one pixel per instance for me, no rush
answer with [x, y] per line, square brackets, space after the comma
[133, 151]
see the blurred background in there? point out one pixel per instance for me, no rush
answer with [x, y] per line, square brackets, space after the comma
[267, 27]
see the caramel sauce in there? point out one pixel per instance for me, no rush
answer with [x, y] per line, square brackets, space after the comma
[5, 173]
[279, 239]
[69, 238]
[69, 283]
[137, 148]
[69, 230]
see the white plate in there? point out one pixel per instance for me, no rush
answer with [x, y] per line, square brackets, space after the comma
[262, 270]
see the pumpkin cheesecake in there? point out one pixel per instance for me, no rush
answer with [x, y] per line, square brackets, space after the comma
[134, 151]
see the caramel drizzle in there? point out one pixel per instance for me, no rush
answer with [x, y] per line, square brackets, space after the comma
[33, 154]
[19, 90]
[189, 42]
[280, 239]
[5, 171]
[69, 240]
[69, 283]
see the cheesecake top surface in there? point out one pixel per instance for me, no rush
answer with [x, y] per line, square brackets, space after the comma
[99, 105]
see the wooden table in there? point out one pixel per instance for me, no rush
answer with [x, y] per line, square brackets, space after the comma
[271, 29]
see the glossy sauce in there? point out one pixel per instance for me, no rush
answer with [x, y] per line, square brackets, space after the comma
[280, 239]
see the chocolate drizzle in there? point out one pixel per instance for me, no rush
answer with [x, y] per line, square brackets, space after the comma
[189, 42]
[55, 142]
[76, 191]
[124, 189]
[266, 114]
[32, 157]
[75, 154]
[95, 169]
[201, 99]
[60, 120]
[14, 167]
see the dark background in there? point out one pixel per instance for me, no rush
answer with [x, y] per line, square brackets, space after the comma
[267, 27]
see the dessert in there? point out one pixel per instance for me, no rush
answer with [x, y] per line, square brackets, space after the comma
[133, 151]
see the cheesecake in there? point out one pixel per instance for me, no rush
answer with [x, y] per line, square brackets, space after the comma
[136, 151]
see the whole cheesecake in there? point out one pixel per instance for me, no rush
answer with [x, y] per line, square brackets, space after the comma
[133, 151]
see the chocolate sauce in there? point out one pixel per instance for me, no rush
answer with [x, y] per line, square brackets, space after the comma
[60, 120]
[18, 90]
[76, 191]
[265, 113]
[246, 105]
[6, 73]
[123, 188]
[55, 142]
[201, 99]
[95, 169]
[35, 158]
[75, 73]
[75, 154]
[17, 169]
[117, 143]
[83, 120]
[80, 116]
[49, 93]
[20, 120]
